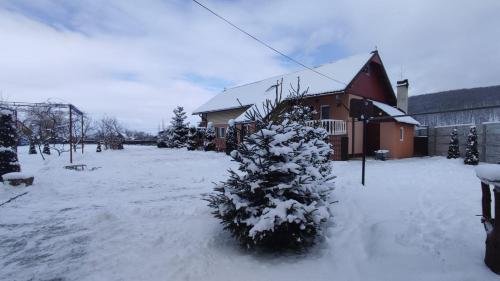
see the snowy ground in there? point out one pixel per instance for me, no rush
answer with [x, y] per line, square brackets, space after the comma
[141, 216]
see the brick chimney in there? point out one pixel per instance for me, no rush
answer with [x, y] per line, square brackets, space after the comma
[402, 95]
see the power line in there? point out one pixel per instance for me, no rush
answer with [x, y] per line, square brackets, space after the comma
[267, 45]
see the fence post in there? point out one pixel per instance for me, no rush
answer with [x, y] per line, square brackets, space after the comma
[492, 255]
[484, 144]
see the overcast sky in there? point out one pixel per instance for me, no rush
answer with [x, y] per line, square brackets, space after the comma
[137, 60]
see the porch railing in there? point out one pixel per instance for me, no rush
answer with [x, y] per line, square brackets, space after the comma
[332, 126]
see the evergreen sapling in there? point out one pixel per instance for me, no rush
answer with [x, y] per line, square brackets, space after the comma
[32, 149]
[471, 152]
[193, 138]
[209, 140]
[231, 137]
[8, 143]
[179, 129]
[46, 148]
[280, 196]
[453, 149]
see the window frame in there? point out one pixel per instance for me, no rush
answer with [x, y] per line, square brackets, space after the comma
[401, 133]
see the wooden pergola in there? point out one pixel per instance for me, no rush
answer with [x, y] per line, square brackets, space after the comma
[73, 113]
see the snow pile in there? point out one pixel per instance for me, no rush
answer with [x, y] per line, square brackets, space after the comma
[489, 173]
[16, 176]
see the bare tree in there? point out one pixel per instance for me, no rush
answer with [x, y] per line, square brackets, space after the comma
[110, 132]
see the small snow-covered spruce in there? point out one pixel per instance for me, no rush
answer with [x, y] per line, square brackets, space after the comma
[46, 148]
[471, 152]
[279, 197]
[32, 149]
[231, 137]
[179, 129]
[209, 140]
[453, 149]
[8, 142]
[193, 138]
[99, 148]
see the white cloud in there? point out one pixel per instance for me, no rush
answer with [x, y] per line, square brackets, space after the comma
[134, 60]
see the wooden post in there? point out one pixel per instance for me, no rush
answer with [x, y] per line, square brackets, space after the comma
[492, 255]
[353, 128]
[486, 201]
[70, 134]
[364, 151]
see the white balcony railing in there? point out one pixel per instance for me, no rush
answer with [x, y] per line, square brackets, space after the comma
[332, 126]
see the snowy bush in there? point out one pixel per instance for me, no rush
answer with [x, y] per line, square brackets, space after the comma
[194, 138]
[471, 152]
[8, 143]
[453, 149]
[231, 137]
[164, 139]
[209, 140]
[279, 197]
[46, 148]
[32, 149]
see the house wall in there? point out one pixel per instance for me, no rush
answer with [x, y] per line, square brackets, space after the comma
[337, 110]
[371, 84]
[223, 116]
[390, 139]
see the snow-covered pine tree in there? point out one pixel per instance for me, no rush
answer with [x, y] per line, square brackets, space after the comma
[471, 152]
[192, 138]
[179, 128]
[99, 148]
[32, 149]
[279, 198]
[8, 142]
[453, 149]
[231, 137]
[209, 140]
[46, 148]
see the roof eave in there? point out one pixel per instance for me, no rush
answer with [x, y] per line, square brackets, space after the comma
[222, 109]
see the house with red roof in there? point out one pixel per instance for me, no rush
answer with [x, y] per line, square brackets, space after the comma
[361, 77]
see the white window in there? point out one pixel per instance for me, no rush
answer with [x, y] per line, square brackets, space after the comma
[401, 134]
[220, 132]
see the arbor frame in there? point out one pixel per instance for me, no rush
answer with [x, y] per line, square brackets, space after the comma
[72, 110]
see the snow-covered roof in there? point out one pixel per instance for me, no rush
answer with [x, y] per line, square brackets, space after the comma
[392, 111]
[256, 93]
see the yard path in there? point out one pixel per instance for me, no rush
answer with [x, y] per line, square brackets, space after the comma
[141, 216]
